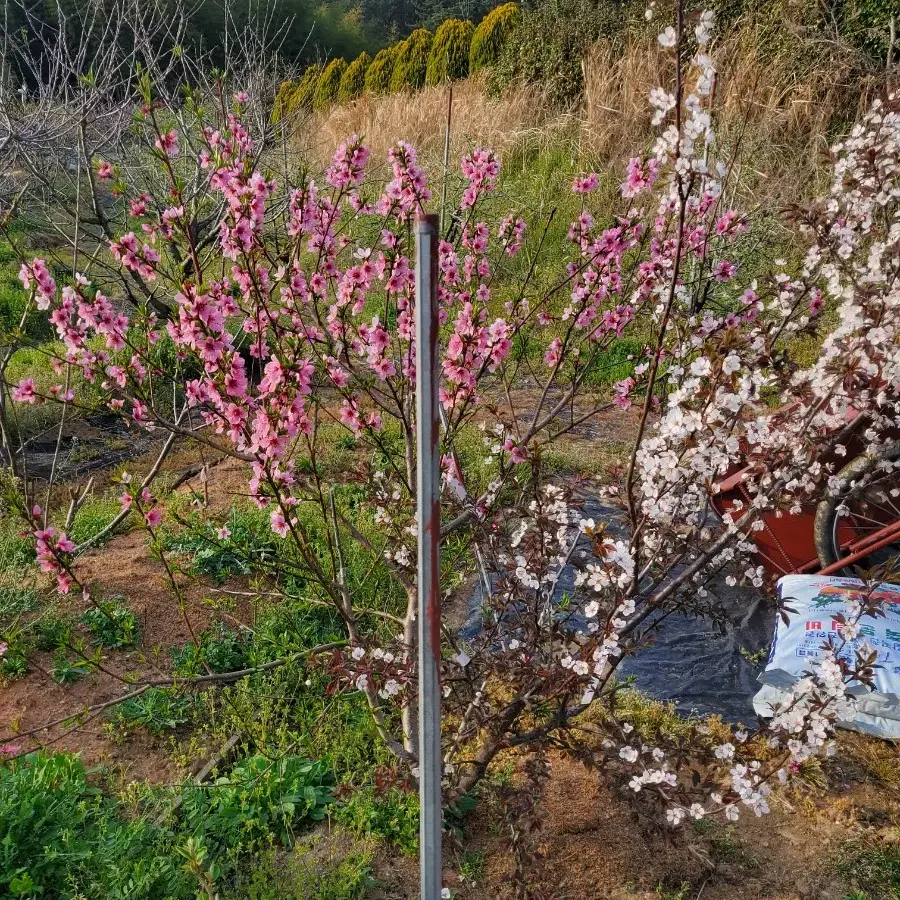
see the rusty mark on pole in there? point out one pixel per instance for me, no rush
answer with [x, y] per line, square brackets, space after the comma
[428, 511]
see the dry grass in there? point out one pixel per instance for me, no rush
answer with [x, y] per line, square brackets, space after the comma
[520, 118]
[777, 112]
[880, 760]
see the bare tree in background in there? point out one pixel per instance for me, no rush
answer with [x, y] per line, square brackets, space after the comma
[67, 108]
[72, 147]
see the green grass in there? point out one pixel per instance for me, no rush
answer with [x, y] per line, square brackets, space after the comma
[262, 801]
[873, 870]
[14, 663]
[64, 838]
[92, 518]
[614, 363]
[339, 875]
[471, 865]
[112, 624]
[18, 594]
[250, 544]
[281, 711]
[13, 296]
[291, 706]
[319, 867]
[220, 650]
[16, 600]
[51, 629]
[391, 815]
[18, 597]
[679, 893]
[535, 182]
[34, 362]
[69, 668]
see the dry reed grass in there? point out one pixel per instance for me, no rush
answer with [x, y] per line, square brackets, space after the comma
[520, 118]
[774, 114]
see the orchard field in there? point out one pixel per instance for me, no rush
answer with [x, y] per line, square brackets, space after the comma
[669, 247]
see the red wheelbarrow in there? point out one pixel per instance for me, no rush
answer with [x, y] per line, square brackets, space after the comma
[857, 526]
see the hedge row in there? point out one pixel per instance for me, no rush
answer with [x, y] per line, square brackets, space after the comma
[455, 49]
[544, 43]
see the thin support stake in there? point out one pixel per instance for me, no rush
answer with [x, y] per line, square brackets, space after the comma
[429, 528]
[446, 157]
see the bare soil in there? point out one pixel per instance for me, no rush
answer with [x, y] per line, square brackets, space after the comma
[593, 847]
[124, 567]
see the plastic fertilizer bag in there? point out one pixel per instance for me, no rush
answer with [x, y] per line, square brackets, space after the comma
[815, 600]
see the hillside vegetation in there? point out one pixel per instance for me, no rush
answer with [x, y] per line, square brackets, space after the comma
[554, 45]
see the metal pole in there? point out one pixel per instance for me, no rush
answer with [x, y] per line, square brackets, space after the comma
[429, 527]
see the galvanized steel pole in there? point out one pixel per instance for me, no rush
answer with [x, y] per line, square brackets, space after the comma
[429, 527]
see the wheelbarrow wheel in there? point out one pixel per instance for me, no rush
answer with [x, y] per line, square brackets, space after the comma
[866, 504]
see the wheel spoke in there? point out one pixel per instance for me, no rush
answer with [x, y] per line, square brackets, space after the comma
[866, 513]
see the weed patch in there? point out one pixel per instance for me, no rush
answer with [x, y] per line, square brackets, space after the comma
[872, 869]
[112, 624]
[157, 709]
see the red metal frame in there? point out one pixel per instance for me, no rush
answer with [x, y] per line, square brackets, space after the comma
[786, 544]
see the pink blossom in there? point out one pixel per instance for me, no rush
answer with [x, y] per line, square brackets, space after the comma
[38, 274]
[724, 270]
[517, 454]
[384, 368]
[153, 517]
[552, 356]
[724, 222]
[168, 143]
[349, 415]
[584, 184]
[481, 169]
[622, 390]
[617, 319]
[408, 190]
[639, 177]
[511, 232]
[25, 392]
[105, 171]
[348, 166]
[279, 523]
[139, 206]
